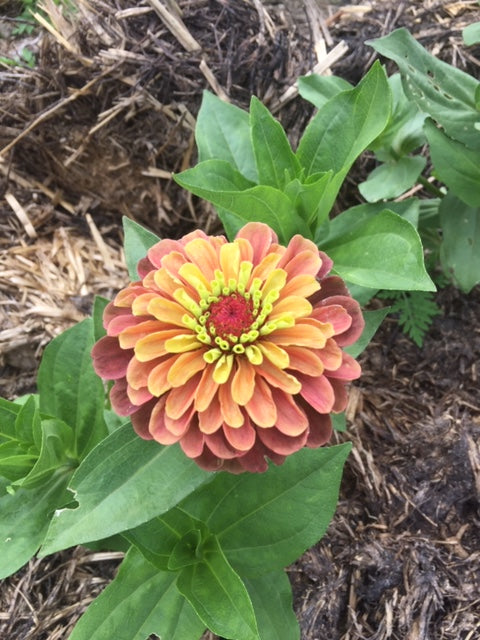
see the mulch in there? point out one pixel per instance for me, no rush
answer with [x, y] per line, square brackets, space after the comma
[93, 132]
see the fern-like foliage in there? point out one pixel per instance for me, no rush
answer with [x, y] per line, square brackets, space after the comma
[415, 309]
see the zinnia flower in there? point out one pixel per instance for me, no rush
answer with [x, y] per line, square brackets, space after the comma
[231, 349]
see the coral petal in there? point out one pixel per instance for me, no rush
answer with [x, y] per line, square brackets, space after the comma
[243, 381]
[141, 418]
[150, 346]
[241, 438]
[157, 427]
[167, 311]
[192, 443]
[318, 392]
[261, 408]
[181, 398]
[280, 443]
[291, 419]
[211, 418]
[260, 236]
[335, 314]
[157, 381]
[305, 360]
[231, 412]
[219, 446]
[129, 336]
[348, 370]
[330, 355]
[207, 388]
[185, 366]
[109, 360]
[278, 377]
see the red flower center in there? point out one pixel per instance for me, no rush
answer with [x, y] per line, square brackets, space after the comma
[231, 315]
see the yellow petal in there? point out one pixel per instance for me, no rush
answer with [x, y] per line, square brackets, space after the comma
[194, 276]
[167, 311]
[182, 342]
[295, 306]
[276, 355]
[185, 366]
[150, 346]
[202, 253]
[230, 260]
[223, 367]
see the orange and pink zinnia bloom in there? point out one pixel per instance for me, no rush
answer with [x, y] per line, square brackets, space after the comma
[231, 349]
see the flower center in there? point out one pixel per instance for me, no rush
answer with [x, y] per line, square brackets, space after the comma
[231, 315]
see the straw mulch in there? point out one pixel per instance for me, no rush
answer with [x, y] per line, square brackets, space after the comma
[93, 132]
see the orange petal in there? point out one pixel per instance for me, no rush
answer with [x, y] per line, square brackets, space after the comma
[163, 281]
[231, 412]
[125, 297]
[181, 425]
[242, 438]
[150, 346]
[207, 388]
[330, 355]
[304, 262]
[129, 337]
[185, 366]
[211, 418]
[243, 381]
[305, 333]
[295, 306]
[305, 360]
[138, 372]
[158, 382]
[303, 285]
[138, 396]
[140, 304]
[276, 355]
[278, 378]
[260, 236]
[202, 253]
[261, 408]
[172, 262]
[180, 399]
[192, 443]
[266, 266]
[291, 420]
[167, 311]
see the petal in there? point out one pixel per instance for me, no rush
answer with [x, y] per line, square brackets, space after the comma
[341, 396]
[125, 322]
[180, 426]
[280, 443]
[241, 438]
[260, 236]
[348, 370]
[185, 366]
[131, 335]
[152, 345]
[203, 254]
[157, 427]
[157, 381]
[278, 377]
[158, 251]
[183, 342]
[125, 297]
[194, 276]
[138, 372]
[358, 323]
[121, 403]
[192, 443]
[207, 388]
[320, 430]
[230, 260]
[141, 418]
[305, 333]
[211, 418]
[163, 281]
[302, 285]
[219, 446]
[277, 356]
[317, 392]
[140, 304]
[334, 314]
[243, 381]
[261, 408]
[138, 396]
[305, 360]
[111, 311]
[295, 306]
[167, 311]
[223, 368]
[109, 360]
[231, 412]
[181, 398]
[305, 262]
[327, 264]
[291, 419]
[255, 460]
[330, 355]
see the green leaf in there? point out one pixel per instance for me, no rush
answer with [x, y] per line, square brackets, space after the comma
[460, 248]
[392, 179]
[456, 165]
[383, 252]
[343, 128]
[446, 93]
[145, 479]
[218, 595]
[138, 241]
[187, 551]
[319, 89]
[339, 421]
[57, 450]
[404, 131]
[307, 197]
[416, 310]
[223, 133]
[25, 518]
[373, 319]
[8, 416]
[140, 601]
[69, 387]
[27, 423]
[274, 157]
[218, 182]
[471, 34]
[271, 597]
[264, 522]
[157, 538]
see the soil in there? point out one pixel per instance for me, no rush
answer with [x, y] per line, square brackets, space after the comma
[92, 132]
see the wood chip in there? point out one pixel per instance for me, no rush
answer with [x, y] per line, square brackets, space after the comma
[21, 214]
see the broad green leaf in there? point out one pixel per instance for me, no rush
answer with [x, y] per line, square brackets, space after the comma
[99, 305]
[122, 483]
[274, 157]
[343, 128]
[339, 421]
[264, 522]
[446, 93]
[319, 89]
[137, 242]
[25, 518]
[27, 422]
[223, 132]
[471, 34]
[56, 450]
[187, 551]
[384, 252]
[218, 182]
[373, 319]
[8, 416]
[69, 387]
[460, 248]
[15, 460]
[404, 131]
[140, 601]
[218, 595]
[271, 596]
[307, 196]
[457, 166]
[391, 179]
[157, 538]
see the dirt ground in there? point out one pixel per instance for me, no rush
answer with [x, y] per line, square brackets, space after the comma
[91, 133]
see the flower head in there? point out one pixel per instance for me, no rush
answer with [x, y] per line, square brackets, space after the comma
[231, 349]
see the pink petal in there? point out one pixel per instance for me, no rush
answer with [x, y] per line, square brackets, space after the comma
[341, 397]
[317, 392]
[157, 426]
[278, 442]
[192, 442]
[241, 438]
[305, 360]
[327, 264]
[335, 314]
[121, 403]
[320, 430]
[141, 418]
[260, 237]
[218, 445]
[353, 309]
[291, 420]
[180, 426]
[348, 370]
[109, 360]
[138, 396]
[261, 408]
[211, 418]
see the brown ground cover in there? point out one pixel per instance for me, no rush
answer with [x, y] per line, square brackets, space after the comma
[92, 133]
